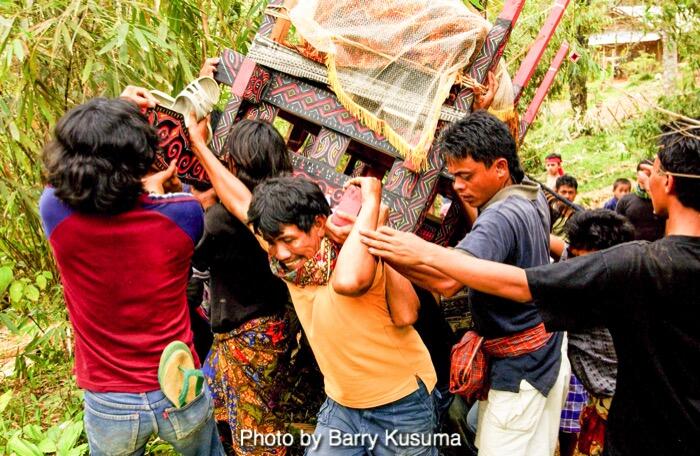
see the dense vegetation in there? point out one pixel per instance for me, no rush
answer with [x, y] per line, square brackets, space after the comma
[55, 54]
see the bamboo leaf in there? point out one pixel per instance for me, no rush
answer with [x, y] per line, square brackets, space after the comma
[18, 48]
[87, 70]
[14, 131]
[141, 39]
[122, 32]
[111, 44]
[6, 277]
[5, 399]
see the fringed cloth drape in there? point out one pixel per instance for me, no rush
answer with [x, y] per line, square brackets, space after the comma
[410, 50]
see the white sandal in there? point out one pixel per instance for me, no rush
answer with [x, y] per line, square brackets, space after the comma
[199, 97]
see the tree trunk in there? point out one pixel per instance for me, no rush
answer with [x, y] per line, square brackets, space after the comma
[578, 92]
[670, 62]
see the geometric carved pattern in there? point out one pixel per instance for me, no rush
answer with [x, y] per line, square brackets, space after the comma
[229, 64]
[328, 147]
[263, 111]
[415, 207]
[455, 214]
[322, 108]
[325, 176]
[401, 180]
[226, 121]
[268, 20]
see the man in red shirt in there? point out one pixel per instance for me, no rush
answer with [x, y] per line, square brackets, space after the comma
[124, 257]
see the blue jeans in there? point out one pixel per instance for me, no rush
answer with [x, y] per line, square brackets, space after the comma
[122, 423]
[348, 432]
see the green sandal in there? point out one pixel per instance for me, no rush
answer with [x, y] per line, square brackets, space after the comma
[178, 379]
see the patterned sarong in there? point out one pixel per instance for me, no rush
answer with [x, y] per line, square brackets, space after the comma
[243, 370]
[594, 419]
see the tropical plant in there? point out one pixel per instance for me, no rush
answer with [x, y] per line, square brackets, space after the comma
[55, 54]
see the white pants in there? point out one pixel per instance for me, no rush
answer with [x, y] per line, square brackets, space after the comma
[524, 423]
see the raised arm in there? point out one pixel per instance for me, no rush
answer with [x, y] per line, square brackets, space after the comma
[409, 250]
[356, 267]
[233, 194]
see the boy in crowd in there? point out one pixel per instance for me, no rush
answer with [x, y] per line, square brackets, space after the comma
[560, 212]
[621, 187]
[638, 208]
[552, 164]
[644, 293]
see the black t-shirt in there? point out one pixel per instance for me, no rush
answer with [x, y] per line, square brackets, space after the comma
[242, 286]
[640, 212]
[647, 294]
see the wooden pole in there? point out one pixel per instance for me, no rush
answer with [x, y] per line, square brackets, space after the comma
[534, 55]
[542, 90]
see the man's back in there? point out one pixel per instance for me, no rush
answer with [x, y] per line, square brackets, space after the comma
[124, 279]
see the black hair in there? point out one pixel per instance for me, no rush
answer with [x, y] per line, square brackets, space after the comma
[256, 151]
[99, 153]
[679, 152]
[286, 201]
[485, 139]
[553, 155]
[621, 181]
[568, 180]
[598, 229]
[646, 161]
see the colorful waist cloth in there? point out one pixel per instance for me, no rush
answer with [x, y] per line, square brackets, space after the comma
[594, 421]
[244, 371]
[470, 358]
[576, 400]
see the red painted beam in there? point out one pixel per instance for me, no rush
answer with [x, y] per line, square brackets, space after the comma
[534, 55]
[542, 90]
[491, 51]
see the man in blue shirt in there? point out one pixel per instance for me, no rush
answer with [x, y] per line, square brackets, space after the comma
[520, 413]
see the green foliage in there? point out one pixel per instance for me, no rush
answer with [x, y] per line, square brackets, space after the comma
[680, 21]
[62, 439]
[579, 17]
[55, 54]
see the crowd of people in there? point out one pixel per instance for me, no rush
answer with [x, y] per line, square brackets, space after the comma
[582, 340]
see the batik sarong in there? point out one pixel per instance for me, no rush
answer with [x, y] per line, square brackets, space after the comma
[243, 370]
[594, 419]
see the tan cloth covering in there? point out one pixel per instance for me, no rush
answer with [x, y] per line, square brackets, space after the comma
[409, 50]
[365, 359]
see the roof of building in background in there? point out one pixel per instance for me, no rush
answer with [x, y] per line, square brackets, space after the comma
[622, 37]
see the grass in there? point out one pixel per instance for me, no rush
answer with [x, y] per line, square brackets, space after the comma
[606, 147]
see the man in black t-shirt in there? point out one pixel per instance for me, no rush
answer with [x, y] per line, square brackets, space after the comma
[637, 207]
[645, 293]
